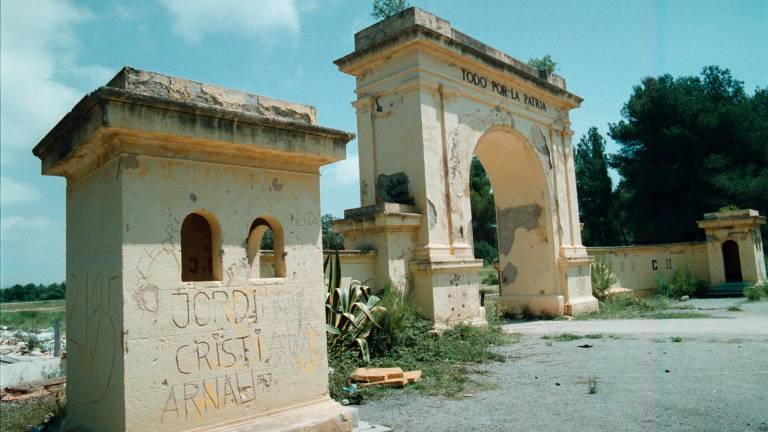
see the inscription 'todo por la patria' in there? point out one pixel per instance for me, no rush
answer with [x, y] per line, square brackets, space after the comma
[502, 90]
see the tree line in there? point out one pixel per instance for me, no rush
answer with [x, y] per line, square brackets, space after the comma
[32, 292]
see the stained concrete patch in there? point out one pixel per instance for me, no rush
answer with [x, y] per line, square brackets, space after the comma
[540, 143]
[510, 219]
[432, 214]
[509, 274]
[393, 188]
[130, 162]
[277, 185]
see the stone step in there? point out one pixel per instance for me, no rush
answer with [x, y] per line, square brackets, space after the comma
[725, 289]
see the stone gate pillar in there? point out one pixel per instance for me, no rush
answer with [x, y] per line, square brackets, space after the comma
[746, 259]
[170, 186]
[429, 98]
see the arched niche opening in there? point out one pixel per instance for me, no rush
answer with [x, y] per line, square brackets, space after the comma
[265, 236]
[731, 261]
[200, 246]
[527, 260]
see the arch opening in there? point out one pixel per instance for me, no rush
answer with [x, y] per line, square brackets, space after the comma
[264, 236]
[200, 241]
[524, 234]
[731, 261]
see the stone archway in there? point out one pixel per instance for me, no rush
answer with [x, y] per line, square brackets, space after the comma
[428, 98]
[527, 255]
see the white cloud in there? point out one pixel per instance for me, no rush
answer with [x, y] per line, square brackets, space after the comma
[16, 192]
[194, 19]
[342, 173]
[38, 49]
[15, 227]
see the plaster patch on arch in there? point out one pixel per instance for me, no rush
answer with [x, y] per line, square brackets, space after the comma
[512, 218]
[509, 274]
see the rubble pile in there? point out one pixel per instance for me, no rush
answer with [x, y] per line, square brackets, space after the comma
[20, 343]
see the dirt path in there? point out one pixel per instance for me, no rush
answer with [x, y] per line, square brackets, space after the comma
[715, 379]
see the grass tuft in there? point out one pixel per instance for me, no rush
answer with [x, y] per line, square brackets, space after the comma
[677, 339]
[628, 306]
[592, 385]
[735, 308]
[562, 337]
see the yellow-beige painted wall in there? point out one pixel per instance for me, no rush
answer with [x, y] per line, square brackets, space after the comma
[638, 267]
[355, 265]
[199, 353]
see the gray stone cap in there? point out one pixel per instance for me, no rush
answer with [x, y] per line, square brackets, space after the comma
[371, 211]
[731, 214]
[744, 217]
[176, 95]
[184, 90]
[413, 22]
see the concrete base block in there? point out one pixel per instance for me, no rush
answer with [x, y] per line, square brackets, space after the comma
[581, 306]
[370, 427]
[537, 304]
[448, 292]
[323, 416]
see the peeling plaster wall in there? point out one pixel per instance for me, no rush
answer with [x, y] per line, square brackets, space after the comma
[637, 267]
[201, 353]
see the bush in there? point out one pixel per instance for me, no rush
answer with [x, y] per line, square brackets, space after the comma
[683, 283]
[485, 251]
[492, 278]
[396, 321]
[405, 339]
[349, 311]
[754, 292]
[763, 286]
[603, 277]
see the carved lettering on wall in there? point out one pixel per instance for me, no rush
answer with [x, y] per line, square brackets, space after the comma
[501, 89]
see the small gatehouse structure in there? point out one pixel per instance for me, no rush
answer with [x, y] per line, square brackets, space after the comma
[171, 185]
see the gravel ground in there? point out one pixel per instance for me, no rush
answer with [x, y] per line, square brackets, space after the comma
[716, 379]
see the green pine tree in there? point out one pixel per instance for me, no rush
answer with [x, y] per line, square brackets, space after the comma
[596, 204]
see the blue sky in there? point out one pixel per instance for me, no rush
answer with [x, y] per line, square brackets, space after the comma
[53, 52]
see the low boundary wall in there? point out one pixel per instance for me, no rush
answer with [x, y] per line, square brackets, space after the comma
[638, 267]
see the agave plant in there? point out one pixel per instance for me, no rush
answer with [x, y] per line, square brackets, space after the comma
[349, 311]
